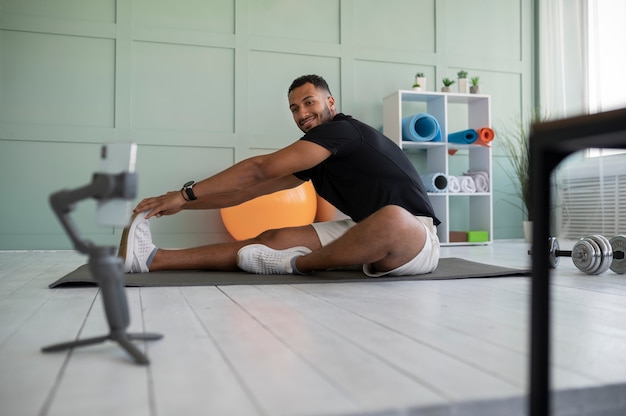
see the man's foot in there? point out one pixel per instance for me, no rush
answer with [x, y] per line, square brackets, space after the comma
[136, 246]
[260, 259]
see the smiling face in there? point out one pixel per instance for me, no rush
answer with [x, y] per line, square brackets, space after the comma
[311, 106]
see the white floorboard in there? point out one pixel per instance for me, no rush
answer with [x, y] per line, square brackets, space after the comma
[454, 347]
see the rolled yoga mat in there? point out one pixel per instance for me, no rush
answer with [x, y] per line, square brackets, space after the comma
[485, 136]
[468, 136]
[435, 182]
[421, 127]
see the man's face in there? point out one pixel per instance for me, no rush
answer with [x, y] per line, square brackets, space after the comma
[311, 107]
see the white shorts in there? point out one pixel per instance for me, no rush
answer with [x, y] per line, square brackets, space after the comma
[425, 262]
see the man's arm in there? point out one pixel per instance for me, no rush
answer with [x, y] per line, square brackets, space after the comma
[229, 199]
[245, 180]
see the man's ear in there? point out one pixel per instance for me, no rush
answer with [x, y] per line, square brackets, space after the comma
[331, 102]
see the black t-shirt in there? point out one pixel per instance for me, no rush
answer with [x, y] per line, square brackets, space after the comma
[365, 172]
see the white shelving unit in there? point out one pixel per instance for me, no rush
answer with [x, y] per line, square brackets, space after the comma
[454, 112]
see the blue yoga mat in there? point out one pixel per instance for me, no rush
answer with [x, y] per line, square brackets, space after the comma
[421, 127]
[463, 137]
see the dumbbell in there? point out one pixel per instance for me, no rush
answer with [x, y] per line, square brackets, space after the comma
[618, 244]
[593, 254]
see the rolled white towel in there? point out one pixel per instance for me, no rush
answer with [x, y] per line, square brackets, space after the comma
[435, 182]
[454, 185]
[481, 180]
[467, 184]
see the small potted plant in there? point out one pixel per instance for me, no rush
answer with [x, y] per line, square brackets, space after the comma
[447, 82]
[420, 79]
[462, 78]
[417, 87]
[475, 88]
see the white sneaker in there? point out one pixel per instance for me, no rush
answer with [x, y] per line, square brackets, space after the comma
[136, 245]
[260, 259]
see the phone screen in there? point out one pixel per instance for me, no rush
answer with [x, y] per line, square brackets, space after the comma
[116, 158]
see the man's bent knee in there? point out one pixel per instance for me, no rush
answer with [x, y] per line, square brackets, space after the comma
[419, 256]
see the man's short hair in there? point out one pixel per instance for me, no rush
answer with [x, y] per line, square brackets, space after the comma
[316, 80]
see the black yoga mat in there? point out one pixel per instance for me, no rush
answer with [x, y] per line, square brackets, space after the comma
[449, 268]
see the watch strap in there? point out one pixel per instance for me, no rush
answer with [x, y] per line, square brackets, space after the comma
[188, 190]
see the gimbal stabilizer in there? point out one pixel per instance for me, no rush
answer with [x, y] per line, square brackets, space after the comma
[104, 264]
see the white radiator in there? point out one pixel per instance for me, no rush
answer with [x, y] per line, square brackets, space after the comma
[592, 198]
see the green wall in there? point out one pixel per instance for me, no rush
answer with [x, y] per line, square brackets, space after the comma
[200, 85]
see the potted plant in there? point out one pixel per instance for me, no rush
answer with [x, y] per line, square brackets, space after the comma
[475, 88]
[447, 82]
[515, 144]
[417, 87]
[462, 78]
[420, 79]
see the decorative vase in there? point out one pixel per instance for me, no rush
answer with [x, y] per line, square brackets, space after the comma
[474, 89]
[462, 83]
[422, 82]
[528, 231]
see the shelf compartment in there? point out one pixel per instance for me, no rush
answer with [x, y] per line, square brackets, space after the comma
[454, 112]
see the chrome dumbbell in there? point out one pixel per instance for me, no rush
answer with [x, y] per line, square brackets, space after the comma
[594, 254]
[618, 244]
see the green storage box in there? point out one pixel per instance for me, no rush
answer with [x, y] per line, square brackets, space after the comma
[477, 236]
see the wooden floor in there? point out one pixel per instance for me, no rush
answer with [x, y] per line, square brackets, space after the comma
[455, 347]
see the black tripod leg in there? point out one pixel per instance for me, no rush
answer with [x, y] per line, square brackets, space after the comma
[125, 343]
[77, 343]
[147, 336]
[123, 339]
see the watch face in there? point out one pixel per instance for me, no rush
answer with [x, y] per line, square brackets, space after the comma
[188, 184]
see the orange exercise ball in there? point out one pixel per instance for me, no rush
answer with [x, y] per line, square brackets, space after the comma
[286, 208]
[327, 211]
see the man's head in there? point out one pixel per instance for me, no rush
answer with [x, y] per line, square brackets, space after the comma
[311, 102]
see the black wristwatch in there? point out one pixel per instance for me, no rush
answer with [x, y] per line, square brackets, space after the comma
[188, 190]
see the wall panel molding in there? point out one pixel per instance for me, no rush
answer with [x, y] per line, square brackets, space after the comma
[210, 78]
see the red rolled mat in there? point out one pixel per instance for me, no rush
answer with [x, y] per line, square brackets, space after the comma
[485, 136]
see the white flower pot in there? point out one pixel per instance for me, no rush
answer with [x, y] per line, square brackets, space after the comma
[528, 231]
[462, 85]
[422, 82]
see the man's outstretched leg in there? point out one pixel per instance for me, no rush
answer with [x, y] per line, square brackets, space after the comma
[141, 255]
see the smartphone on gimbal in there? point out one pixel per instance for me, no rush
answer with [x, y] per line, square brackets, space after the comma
[116, 158]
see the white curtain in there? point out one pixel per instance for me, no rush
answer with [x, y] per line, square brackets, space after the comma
[582, 56]
[562, 57]
[607, 54]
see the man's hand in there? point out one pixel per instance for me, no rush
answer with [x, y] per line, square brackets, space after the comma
[168, 204]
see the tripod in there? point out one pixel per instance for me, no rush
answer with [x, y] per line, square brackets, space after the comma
[104, 264]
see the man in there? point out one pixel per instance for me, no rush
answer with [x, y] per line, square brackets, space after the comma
[392, 229]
